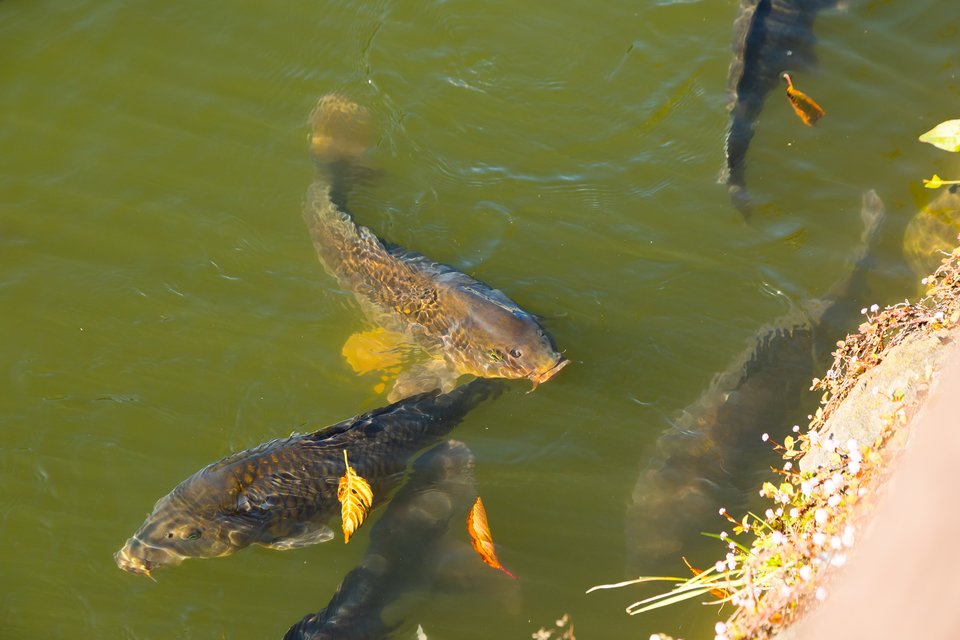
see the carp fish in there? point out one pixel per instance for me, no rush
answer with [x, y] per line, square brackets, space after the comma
[932, 233]
[282, 493]
[465, 326]
[402, 552]
[708, 457]
[769, 38]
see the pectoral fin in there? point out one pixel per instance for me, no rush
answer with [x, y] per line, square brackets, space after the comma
[423, 377]
[376, 350]
[305, 535]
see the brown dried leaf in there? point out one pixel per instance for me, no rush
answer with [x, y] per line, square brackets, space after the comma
[803, 105]
[480, 537]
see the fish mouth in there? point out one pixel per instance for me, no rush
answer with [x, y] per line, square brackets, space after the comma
[141, 559]
[537, 377]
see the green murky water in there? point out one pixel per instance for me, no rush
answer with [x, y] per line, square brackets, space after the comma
[163, 307]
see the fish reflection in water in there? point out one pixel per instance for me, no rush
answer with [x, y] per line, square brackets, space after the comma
[703, 461]
[282, 493]
[403, 551]
[467, 327]
[769, 38]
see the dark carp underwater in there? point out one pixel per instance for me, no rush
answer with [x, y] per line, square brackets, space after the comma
[770, 37]
[403, 550]
[464, 326]
[702, 462]
[282, 493]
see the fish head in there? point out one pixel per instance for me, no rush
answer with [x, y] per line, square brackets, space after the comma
[192, 521]
[509, 343]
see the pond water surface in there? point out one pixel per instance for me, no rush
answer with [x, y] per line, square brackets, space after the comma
[163, 306]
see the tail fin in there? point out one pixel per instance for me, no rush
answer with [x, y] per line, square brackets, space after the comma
[340, 131]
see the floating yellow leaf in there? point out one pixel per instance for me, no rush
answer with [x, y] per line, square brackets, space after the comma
[936, 182]
[480, 537]
[375, 350]
[803, 105]
[355, 496]
[945, 135]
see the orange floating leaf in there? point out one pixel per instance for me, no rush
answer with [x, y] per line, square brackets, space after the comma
[720, 593]
[480, 537]
[803, 105]
[355, 496]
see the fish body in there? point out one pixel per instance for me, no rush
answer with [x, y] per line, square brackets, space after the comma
[702, 461]
[466, 326]
[402, 550]
[932, 233]
[769, 38]
[281, 493]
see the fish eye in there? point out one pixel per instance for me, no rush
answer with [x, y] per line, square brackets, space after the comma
[516, 353]
[194, 534]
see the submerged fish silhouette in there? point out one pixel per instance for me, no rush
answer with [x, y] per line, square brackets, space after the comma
[282, 493]
[769, 38]
[702, 461]
[466, 326]
[403, 544]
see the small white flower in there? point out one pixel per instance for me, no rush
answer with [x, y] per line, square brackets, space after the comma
[833, 500]
[819, 538]
[765, 437]
[938, 316]
[829, 487]
[806, 487]
[806, 572]
[779, 512]
[796, 428]
[723, 535]
[836, 543]
[814, 437]
[820, 515]
[720, 566]
[853, 467]
[874, 308]
[769, 514]
[848, 536]
[655, 636]
[777, 538]
[794, 513]
[821, 592]
[720, 628]
[787, 465]
[837, 479]
[923, 281]
[723, 510]
[863, 311]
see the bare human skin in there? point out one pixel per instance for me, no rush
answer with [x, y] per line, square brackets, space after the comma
[466, 327]
[282, 493]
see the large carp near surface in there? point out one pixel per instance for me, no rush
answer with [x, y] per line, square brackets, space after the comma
[465, 326]
[283, 493]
